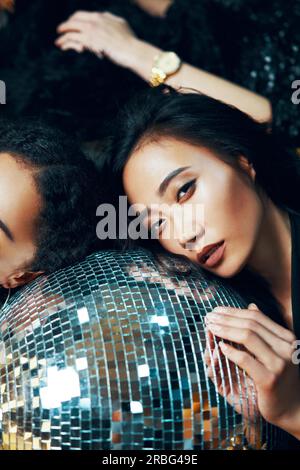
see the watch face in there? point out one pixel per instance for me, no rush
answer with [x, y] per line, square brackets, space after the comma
[169, 62]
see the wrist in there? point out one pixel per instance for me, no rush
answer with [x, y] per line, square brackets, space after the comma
[291, 423]
[141, 58]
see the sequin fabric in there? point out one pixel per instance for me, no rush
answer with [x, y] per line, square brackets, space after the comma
[249, 42]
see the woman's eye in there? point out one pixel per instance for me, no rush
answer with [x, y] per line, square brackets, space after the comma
[186, 189]
[157, 226]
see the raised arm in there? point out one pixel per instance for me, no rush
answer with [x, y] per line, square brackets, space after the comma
[110, 36]
[257, 106]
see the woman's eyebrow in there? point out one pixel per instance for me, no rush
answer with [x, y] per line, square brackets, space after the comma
[164, 185]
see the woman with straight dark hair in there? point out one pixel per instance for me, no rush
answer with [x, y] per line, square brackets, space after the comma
[216, 188]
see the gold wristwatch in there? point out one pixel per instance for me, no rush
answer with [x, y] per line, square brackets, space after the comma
[164, 65]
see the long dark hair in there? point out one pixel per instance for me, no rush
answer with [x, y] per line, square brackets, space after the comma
[200, 120]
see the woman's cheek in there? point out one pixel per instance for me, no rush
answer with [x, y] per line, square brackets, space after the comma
[171, 245]
[227, 200]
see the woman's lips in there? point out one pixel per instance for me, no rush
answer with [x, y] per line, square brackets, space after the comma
[212, 254]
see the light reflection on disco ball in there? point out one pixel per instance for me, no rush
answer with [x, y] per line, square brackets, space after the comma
[108, 354]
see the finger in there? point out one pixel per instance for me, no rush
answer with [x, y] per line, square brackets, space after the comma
[253, 306]
[72, 45]
[210, 350]
[230, 381]
[84, 15]
[214, 367]
[210, 342]
[254, 343]
[281, 347]
[214, 371]
[261, 318]
[218, 361]
[207, 356]
[221, 365]
[70, 37]
[209, 347]
[218, 385]
[245, 361]
[107, 14]
[216, 356]
[225, 375]
[71, 25]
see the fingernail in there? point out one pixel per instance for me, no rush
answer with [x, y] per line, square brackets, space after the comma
[252, 305]
[214, 327]
[213, 316]
[219, 309]
[223, 346]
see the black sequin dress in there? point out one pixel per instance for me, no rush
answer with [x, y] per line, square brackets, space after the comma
[252, 43]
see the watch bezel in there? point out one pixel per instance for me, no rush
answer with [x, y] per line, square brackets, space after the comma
[159, 59]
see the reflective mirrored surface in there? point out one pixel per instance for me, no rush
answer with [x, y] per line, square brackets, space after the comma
[108, 354]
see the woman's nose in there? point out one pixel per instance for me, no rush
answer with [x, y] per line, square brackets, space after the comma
[188, 230]
[188, 243]
[193, 240]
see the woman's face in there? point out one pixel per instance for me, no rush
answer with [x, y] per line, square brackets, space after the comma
[195, 199]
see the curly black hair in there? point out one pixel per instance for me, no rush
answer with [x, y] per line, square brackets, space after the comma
[67, 183]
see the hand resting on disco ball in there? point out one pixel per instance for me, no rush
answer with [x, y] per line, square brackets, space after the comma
[108, 354]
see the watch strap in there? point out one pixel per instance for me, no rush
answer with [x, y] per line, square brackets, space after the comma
[157, 77]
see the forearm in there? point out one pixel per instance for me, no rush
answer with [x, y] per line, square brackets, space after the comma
[154, 7]
[191, 77]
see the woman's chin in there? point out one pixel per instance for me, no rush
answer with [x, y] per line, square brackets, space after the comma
[227, 268]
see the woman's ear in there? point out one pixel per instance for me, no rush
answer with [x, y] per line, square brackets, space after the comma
[21, 278]
[247, 167]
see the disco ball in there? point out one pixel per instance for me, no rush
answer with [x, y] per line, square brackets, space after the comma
[108, 354]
